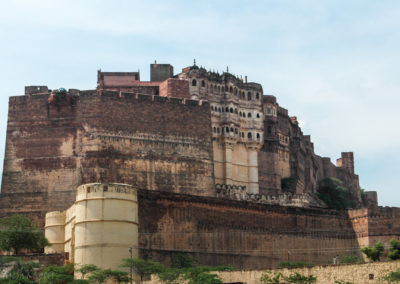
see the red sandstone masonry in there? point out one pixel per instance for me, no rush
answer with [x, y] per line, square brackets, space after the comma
[174, 88]
[50, 149]
[242, 234]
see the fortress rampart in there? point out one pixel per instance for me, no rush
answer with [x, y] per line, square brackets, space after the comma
[148, 141]
[100, 228]
[223, 172]
[108, 219]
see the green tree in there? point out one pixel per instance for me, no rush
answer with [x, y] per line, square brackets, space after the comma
[143, 267]
[374, 253]
[394, 250]
[171, 275]
[117, 275]
[101, 275]
[297, 278]
[97, 277]
[56, 274]
[181, 260]
[269, 277]
[87, 268]
[19, 232]
[201, 275]
[334, 194]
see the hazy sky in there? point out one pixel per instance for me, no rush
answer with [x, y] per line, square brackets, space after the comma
[334, 64]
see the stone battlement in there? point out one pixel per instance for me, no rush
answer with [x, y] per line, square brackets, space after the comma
[284, 199]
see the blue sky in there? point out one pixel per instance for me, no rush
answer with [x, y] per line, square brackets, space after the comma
[333, 64]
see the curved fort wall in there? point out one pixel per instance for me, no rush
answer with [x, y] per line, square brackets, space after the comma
[99, 228]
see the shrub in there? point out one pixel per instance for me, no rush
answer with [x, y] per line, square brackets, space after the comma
[297, 278]
[351, 259]
[269, 277]
[18, 232]
[393, 276]
[334, 194]
[295, 264]
[57, 274]
[87, 268]
[143, 267]
[394, 250]
[181, 260]
[374, 253]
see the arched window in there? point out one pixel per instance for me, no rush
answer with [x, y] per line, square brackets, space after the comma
[194, 82]
[242, 95]
[249, 135]
[249, 96]
[203, 84]
[231, 110]
[240, 114]
[258, 135]
[231, 130]
[249, 114]
[242, 134]
[235, 92]
[218, 130]
[258, 115]
[227, 109]
[219, 109]
[215, 130]
[236, 110]
[215, 88]
[257, 96]
[230, 89]
[236, 131]
[227, 129]
[212, 108]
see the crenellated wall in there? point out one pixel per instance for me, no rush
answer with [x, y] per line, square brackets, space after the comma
[54, 144]
[244, 234]
[100, 228]
[288, 156]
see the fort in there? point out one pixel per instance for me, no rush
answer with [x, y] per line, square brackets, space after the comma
[219, 169]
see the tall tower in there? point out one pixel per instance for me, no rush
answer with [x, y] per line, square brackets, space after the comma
[237, 124]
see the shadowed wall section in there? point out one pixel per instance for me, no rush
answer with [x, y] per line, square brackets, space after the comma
[242, 234]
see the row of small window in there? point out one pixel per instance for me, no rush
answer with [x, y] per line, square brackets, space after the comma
[236, 131]
[222, 89]
[283, 138]
[270, 111]
[231, 110]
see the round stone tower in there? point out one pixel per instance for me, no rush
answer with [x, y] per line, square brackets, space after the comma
[100, 228]
[106, 224]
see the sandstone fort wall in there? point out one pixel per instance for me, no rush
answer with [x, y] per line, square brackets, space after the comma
[242, 234]
[146, 141]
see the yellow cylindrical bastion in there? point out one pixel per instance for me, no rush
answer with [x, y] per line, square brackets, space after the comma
[105, 225]
[55, 231]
